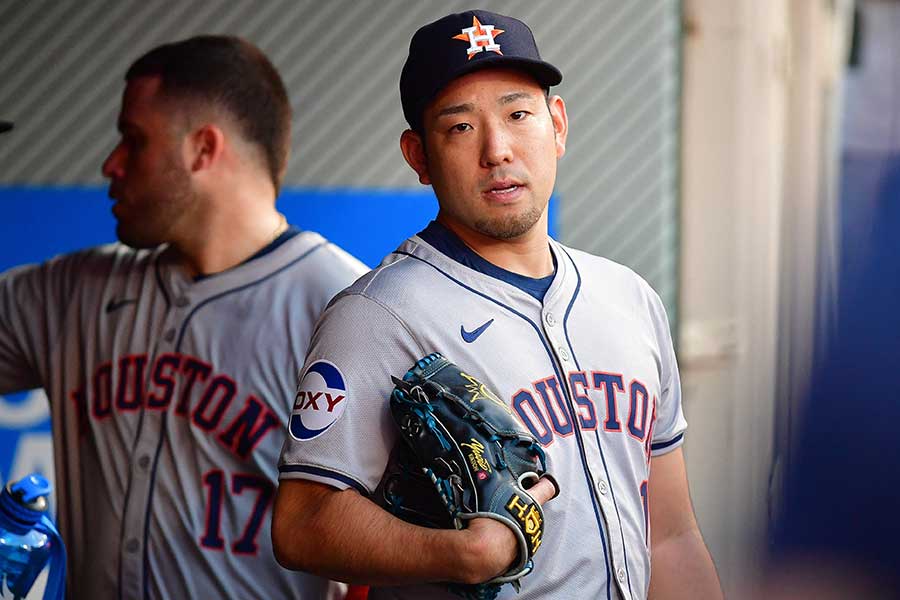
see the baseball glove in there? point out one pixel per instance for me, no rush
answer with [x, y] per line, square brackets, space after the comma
[463, 456]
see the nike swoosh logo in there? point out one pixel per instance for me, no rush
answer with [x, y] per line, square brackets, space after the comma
[471, 336]
[114, 305]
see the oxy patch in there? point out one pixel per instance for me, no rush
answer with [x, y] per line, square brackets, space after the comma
[320, 401]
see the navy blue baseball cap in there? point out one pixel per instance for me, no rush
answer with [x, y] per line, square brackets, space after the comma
[461, 43]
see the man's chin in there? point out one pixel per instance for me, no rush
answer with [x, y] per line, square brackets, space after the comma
[132, 240]
[509, 228]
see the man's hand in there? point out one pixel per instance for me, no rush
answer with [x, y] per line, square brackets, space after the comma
[492, 545]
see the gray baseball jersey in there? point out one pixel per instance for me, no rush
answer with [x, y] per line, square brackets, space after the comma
[590, 371]
[169, 398]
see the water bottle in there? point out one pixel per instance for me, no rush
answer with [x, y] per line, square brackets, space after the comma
[29, 540]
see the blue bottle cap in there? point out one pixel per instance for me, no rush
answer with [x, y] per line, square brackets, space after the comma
[31, 491]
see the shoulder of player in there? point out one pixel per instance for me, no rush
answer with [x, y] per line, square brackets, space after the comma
[83, 274]
[605, 271]
[396, 272]
[619, 284]
[95, 261]
[312, 246]
[377, 290]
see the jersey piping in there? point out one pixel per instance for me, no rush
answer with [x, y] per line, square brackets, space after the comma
[159, 280]
[162, 288]
[663, 445]
[596, 434]
[148, 516]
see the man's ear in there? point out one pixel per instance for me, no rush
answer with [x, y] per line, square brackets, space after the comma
[204, 147]
[560, 123]
[413, 148]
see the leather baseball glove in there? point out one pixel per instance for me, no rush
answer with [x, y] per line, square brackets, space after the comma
[463, 456]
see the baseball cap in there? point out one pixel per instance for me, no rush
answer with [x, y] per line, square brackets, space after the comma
[461, 43]
[5, 126]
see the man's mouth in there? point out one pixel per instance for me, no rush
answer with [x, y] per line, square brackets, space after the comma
[503, 187]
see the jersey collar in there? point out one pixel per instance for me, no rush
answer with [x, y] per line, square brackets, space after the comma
[446, 242]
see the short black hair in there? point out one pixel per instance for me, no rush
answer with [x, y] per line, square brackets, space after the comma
[230, 73]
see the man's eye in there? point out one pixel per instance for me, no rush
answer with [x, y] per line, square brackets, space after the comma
[460, 127]
[518, 115]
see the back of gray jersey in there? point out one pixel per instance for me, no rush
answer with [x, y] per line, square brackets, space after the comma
[590, 371]
[169, 397]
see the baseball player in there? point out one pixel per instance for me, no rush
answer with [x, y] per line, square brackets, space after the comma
[577, 346]
[167, 363]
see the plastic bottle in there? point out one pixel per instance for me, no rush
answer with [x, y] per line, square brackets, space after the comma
[28, 539]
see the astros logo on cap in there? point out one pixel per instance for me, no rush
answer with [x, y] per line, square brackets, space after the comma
[480, 38]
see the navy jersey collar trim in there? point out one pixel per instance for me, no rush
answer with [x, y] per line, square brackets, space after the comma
[446, 242]
[289, 233]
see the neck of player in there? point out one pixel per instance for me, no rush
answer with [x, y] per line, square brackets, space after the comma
[237, 224]
[528, 254]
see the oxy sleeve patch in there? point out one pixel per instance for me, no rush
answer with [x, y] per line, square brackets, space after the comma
[320, 401]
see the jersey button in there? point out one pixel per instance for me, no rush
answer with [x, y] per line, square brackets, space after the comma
[601, 485]
[169, 335]
[620, 575]
[563, 353]
[182, 301]
[132, 545]
[550, 319]
[144, 462]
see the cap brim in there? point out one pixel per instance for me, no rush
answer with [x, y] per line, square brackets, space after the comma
[546, 74]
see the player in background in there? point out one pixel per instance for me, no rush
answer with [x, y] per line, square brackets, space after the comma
[170, 358]
[578, 347]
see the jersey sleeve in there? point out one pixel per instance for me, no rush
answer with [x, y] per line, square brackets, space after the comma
[340, 431]
[32, 317]
[668, 430]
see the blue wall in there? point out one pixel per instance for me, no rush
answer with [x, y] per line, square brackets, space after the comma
[42, 222]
